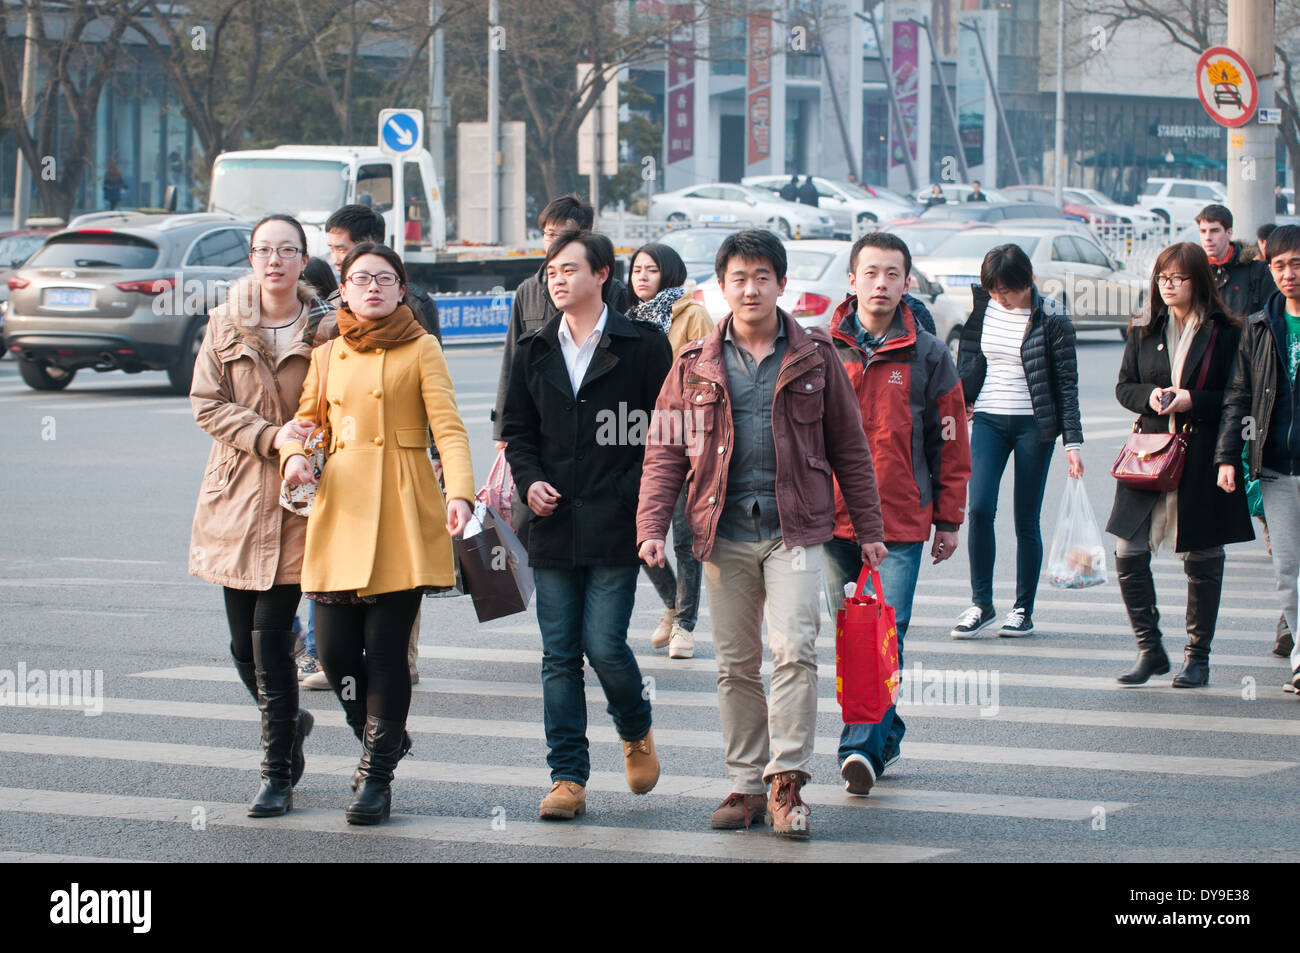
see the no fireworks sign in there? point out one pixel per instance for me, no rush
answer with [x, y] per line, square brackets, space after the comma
[1226, 86]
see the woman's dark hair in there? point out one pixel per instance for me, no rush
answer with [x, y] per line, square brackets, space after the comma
[599, 250]
[1182, 258]
[302, 235]
[1007, 267]
[373, 248]
[754, 244]
[672, 270]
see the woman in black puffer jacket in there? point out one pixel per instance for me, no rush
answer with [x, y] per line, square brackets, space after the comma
[1019, 374]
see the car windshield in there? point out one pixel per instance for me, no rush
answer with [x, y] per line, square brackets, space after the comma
[891, 195]
[1089, 196]
[248, 187]
[807, 265]
[923, 241]
[17, 248]
[694, 245]
[95, 250]
[977, 245]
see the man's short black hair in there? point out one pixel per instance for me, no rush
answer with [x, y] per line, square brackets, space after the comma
[755, 244]
[886, 240]
[977, 182]
[567, 208]
[1215, 213]
[1285, 240]
[599, 250]
[361, 222]
[1006, 267]
[1264, 231]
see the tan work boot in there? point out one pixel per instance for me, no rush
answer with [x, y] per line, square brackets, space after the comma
[738, 811]
[641, 762]
[663, 631]
[682, 643]
[566, 800]
[786, 811]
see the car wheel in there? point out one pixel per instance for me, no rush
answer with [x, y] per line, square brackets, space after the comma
[866, 220]
[954, 342]
[1164, 216]
[40, 376]
[677, 219]
[783, 228]
[181, 373]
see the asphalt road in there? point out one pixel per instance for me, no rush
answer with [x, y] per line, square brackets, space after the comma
[99, 484]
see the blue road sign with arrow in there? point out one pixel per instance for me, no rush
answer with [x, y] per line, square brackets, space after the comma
[400, 131]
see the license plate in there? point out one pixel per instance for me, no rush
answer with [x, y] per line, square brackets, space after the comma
[69, 298]
[717, 218]
[960, 281]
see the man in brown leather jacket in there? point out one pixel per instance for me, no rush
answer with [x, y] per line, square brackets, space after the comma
[757, 417]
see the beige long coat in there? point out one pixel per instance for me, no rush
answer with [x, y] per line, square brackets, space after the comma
[242, 537]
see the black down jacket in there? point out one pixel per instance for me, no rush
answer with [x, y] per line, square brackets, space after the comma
[1051, 368]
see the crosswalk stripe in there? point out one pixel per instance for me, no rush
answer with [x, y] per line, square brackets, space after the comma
[1048, 628]
[580, 835]
[825, 704]
[692, 786]
[712, 740]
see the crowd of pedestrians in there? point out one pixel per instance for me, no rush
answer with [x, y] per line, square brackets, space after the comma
[783, 459]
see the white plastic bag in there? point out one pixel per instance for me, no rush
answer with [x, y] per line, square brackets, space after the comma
[1077, 558]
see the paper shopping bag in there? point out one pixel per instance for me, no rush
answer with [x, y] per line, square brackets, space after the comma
[494, 567]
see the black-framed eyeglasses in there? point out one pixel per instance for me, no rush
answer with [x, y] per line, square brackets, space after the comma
[1172, 281]
[360, 279]
[286, 252]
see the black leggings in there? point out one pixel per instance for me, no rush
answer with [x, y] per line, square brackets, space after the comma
[367, 643]
[249, 610]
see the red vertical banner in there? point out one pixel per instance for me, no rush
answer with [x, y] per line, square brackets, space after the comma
[758, 102]
[906, 63]
[680, 85]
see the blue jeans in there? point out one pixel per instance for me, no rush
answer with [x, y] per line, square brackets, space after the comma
[587, 610]
[309, 634]
[898, 572]
[994, 438]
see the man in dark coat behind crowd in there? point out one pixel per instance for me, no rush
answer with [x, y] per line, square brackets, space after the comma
[808, 192]
[1241, 276]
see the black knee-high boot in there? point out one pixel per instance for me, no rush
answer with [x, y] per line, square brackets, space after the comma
[1138, 589]
[1204, 587]
[283, 727]
[248, 675]
[383, 745]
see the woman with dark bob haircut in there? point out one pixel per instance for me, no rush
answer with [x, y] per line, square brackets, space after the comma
[379, 532]
[658, 294]
[1177, 364]
[1020, 377]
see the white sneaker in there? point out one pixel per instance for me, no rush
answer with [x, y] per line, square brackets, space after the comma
[663, 631]
[1018, 623]
[682, 643]
[316, 681]
[858, 775]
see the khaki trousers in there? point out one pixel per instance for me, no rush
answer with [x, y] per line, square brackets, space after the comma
[747, 582]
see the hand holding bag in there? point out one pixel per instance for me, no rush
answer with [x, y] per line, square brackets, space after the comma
[298, 499]
[1154, 461]
[866, 654]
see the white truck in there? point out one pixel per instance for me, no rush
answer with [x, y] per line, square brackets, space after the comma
[310, 182]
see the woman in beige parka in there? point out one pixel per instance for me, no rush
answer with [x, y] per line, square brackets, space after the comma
[247, 380]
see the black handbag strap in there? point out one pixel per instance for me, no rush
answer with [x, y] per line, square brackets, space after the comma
[1205, 361]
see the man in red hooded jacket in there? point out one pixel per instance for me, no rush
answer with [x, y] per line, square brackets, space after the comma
[914, 415]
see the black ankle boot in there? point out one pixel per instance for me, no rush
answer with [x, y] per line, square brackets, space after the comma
[1204, 587]
[1138, 589]
[382, 748]
[277, 684]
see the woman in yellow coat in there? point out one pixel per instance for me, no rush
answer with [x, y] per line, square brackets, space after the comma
[379, 533]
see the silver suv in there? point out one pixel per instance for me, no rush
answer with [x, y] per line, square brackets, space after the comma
[122, 291]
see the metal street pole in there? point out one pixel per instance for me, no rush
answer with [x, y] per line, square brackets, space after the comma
[437, 121]
[1058, 178]
[30, 54]
[924, 23]
[1252, 148]
[894, 112]
[593, 181]
[997, 100]
[494, 128]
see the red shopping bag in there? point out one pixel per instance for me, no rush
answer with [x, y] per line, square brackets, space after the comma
[866, 654]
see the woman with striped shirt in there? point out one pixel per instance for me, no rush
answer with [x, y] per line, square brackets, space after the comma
[1020, 377]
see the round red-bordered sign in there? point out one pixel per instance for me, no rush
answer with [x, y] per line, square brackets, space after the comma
[1226, 85]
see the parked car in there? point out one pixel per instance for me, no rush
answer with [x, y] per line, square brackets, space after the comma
[698, 248]
[924, 236]
[15, 248]
[739, 206]
[1179, 201]
[956, 193]
[818, 281]
[1143, 222]
[123, 291]
[1079, 211]
[1069, 266]
[845, 202]
[993, 212]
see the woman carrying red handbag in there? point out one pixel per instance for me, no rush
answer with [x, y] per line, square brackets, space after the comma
[1177, 365]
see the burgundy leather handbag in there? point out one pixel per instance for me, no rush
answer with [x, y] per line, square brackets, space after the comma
[1154, 461]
